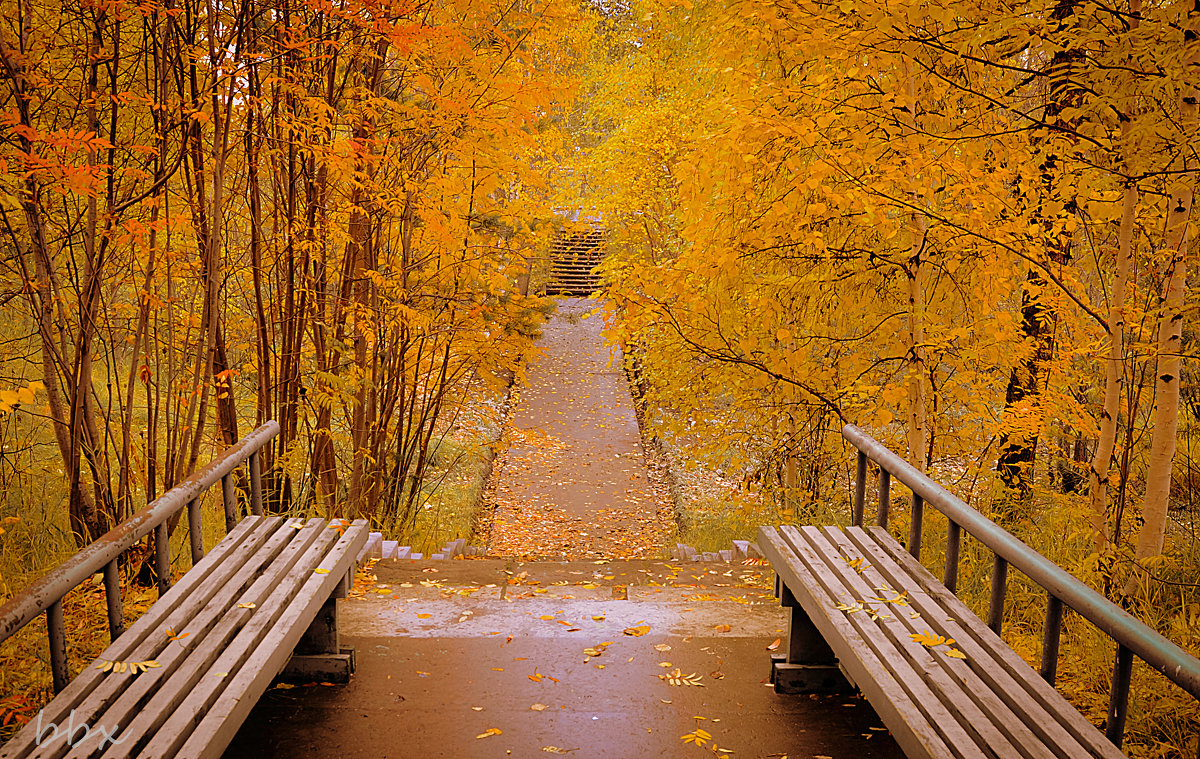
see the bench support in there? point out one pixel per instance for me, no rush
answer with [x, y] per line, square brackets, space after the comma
[809, 666]
[319, 656]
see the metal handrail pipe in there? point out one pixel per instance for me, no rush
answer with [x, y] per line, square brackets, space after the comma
[1172, 661]
[58, 582]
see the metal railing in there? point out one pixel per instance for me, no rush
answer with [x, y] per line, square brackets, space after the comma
[1132, 636]
[46, 595]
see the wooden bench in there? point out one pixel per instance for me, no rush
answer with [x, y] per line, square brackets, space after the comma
[857, 598]
[182, 679]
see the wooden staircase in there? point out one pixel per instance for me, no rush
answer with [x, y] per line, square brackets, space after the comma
[573, 257]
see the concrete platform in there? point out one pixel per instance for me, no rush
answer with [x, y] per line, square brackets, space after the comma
[507, 650]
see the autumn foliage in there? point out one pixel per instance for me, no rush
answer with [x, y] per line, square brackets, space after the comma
[216, 214]
[964, 226]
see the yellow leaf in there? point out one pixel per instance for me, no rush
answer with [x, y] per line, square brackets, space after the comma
[775, 645]
[637, 631]
[321, 571]
[489, 733]
[930, 639]
[955, 653]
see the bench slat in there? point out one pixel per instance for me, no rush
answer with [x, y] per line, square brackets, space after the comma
[1015, 688]
[140, 707]
[219, 722]
[908, 723]
[966, 681]
[981, 730]
[997, 679]
[179, 604]
[120, 689]
[1044, 693]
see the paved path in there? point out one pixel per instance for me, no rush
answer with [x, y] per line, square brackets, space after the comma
[573, 482]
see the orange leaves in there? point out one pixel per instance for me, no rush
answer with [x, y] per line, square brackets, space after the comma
[637, 630]
[931, 639]
[172, 636]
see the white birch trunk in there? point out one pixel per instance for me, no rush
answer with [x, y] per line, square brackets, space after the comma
[1170, 329]
[1100, 468]
[1098, 472]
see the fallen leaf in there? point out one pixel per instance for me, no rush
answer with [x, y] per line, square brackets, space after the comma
[722, 628]
[538, 707]
[489, 733]
[321, 571]
[775, 645]
[931, 639]
[637, 631]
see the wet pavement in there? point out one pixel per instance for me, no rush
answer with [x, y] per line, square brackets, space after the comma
[502, 658]
[573, 482]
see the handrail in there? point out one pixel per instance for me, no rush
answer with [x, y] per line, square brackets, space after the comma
[1131, 634]
[46, 594]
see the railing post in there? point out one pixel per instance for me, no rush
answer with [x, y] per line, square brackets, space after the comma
[57, 634]
[112, 598]
[914, 529]
[1054, 616]
[860, 489]
[885, 496]
[162, 558]
[1118, 696]
[195, 530]
[999, 588]
[256, 497]
[229, 497]
[953, 542]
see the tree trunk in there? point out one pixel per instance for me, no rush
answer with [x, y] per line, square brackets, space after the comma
[914, 273]
[1170, 328]
[1018, 443]
[1098, 471]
